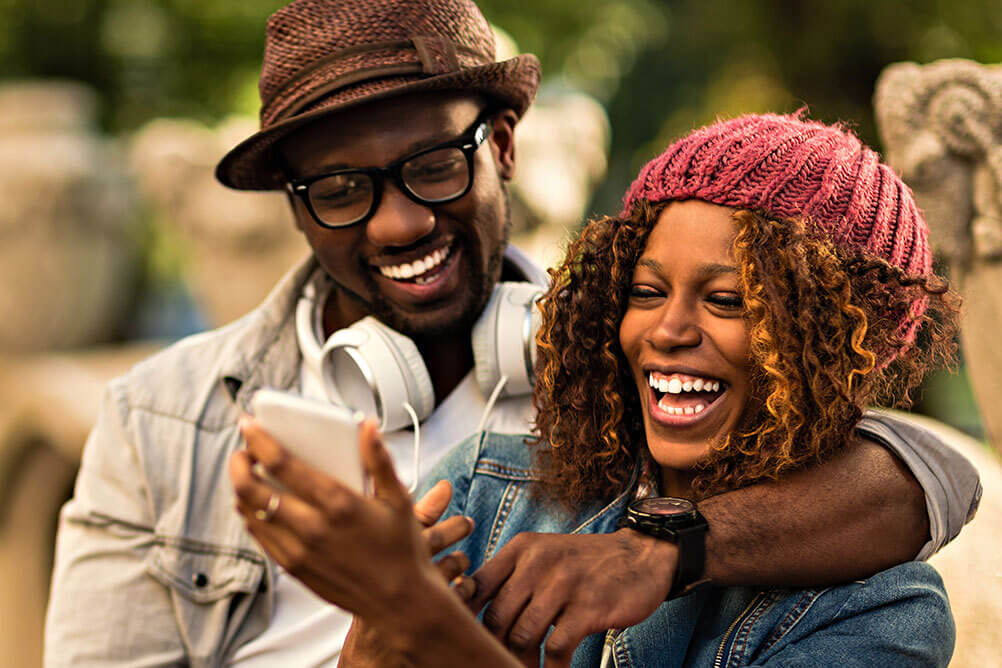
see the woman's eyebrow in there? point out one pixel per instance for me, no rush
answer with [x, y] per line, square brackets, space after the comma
[708, 270]
[716, 269]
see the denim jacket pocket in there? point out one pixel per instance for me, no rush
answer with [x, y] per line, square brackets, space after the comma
[203, 572]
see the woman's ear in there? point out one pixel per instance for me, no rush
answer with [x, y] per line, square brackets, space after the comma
[502, 142]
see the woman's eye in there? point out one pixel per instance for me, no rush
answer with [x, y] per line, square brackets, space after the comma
[643, 291]
[727, 300]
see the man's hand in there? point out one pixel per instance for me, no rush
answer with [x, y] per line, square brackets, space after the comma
[366, 554]
[580, 584]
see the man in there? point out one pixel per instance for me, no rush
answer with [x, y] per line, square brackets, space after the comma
[153, 564]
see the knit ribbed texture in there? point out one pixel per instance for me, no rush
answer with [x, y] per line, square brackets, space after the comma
[786, 167]
[322, 56]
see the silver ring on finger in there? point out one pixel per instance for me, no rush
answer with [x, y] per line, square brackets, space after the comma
[268, 512]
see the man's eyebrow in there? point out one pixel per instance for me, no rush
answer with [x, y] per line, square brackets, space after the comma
[410, 149]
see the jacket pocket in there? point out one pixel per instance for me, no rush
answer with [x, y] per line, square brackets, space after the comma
[204, 572]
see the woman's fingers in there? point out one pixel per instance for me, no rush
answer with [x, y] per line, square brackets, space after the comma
[377, 464]
[444, 534]
[430, 507]
[451, 566]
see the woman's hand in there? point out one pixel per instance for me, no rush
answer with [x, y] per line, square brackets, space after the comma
[580, 584]
[365, 646]
[368, 555]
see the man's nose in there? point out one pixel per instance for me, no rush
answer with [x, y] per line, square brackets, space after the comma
[399, 220]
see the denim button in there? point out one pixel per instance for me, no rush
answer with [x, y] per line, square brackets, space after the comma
[200, 579]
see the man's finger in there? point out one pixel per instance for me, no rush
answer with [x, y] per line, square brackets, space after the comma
[444, 534]
[431, 506]
[377, 464]
[559, 646]
[490, 577]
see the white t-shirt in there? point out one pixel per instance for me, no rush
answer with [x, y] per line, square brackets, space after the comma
[305, 630]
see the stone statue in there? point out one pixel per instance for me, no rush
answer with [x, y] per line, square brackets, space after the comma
[237, 244]
[941, 126]
[68, 241]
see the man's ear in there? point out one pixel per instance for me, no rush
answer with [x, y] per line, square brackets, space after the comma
[294, 205]
[502, 141]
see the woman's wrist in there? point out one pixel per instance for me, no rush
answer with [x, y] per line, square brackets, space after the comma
[433, 627]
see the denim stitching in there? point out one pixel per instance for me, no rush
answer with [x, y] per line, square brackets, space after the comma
[490, 467]
[795, 614]
[607, 509]
[507, 500]
[623, 650]
[739, 646]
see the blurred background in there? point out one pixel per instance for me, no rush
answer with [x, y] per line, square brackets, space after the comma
[116, 239]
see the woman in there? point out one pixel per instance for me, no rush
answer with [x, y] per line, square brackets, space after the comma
[766, 281]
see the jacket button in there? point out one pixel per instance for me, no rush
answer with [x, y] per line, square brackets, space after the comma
[200, 579]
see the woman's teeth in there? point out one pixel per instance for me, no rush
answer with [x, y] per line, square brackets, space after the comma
[679, 410]
[676, 389]
[678, 385]
[417, 269]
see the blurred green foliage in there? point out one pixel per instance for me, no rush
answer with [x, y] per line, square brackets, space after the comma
[660, 67]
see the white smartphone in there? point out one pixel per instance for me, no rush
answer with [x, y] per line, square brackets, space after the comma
[325, 436]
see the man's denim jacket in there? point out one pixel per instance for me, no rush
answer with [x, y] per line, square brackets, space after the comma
[153, 564]
[900, 617]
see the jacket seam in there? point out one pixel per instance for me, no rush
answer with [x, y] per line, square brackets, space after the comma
[504, 508]
[201, 547]
[623, 652]
[179, 418]
[491, 467]
[740, 644]
[795, 614]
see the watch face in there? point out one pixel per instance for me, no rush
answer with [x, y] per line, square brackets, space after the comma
[664, 505]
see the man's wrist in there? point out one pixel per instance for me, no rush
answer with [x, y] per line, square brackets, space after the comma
[660, 556]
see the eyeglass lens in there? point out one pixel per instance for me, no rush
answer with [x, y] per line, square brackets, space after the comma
[435, 176]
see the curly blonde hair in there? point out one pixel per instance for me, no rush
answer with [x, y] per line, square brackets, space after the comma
[825, 342]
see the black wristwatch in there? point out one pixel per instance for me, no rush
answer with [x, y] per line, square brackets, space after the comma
[678, 520]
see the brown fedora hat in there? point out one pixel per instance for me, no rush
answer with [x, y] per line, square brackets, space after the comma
[322, 56]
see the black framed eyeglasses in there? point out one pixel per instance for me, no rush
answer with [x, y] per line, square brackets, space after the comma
[435, 175]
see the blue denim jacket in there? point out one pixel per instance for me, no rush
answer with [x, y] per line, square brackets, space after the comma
[899, 617]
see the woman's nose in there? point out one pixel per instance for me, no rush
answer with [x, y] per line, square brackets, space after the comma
[677, 328]
[399, 220]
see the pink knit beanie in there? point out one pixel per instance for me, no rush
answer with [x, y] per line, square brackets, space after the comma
[791, 168]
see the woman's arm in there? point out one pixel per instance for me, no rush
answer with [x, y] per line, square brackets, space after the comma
[365, 554]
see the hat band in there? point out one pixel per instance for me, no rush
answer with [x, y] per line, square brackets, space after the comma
[435, 56]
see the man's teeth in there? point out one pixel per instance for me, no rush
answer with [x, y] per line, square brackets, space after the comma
[418, 267]
[677, 385]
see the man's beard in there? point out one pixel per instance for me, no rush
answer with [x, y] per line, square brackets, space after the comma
[421, 326]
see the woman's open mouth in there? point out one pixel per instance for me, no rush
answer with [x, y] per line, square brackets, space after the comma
[678, 398]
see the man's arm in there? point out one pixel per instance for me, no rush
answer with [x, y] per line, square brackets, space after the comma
[856, 514]
[104, 608]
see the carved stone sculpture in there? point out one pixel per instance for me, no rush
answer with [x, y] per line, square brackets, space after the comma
[942, 127]
[67, 237]
[237, 244]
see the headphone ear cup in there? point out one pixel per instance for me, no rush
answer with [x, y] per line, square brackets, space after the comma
[504, 339]
[377, 370]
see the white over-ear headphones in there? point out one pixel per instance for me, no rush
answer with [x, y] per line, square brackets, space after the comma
[377, 370]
